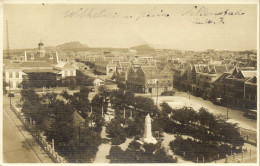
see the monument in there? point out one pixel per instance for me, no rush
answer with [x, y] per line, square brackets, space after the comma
[148, 137]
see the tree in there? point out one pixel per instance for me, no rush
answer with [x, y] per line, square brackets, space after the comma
[103, 92]
[134, 146]
[129, 98]
[86, 148]
[5, 84]
[30, 96]
[81, 102]
[149, 148]
[206, 118]
[117, 99]
[146, 105]
[61, 128]
[166, 108]
[184, 115]
[116, 154]
[31, 104]
[116, 132]
[161, 156]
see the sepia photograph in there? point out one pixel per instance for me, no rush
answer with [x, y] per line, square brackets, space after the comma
[130, 82]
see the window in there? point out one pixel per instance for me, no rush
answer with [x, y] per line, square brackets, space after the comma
[17, 74]
[51, 56]
[10, 75]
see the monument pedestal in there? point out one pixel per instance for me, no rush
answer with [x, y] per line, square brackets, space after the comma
[150, 140]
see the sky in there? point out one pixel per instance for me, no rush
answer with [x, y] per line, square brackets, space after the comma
[184, 27]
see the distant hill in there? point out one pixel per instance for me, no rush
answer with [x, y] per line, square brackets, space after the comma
[142, 47]
[72, 46]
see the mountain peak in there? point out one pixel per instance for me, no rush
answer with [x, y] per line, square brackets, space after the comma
[75, 45]
[142, 47]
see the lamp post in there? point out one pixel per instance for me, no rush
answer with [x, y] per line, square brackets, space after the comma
[10, 99]
[227, 112]
[227, 108]
[79, 128]
[9, 95]
[91, 115]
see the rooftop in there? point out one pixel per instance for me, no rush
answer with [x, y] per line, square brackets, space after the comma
[35, 64]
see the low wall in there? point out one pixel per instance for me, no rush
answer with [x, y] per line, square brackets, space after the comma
[46, 146]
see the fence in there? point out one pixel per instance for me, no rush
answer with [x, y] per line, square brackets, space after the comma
[47, 147]
[249, 136]
[247, 156]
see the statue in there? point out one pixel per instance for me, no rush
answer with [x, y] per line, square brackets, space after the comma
[148, 137]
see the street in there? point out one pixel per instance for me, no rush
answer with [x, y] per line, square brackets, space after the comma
[18, 144]
[182, 99]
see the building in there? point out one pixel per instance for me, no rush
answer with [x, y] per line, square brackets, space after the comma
[218, 86]
[207, 75]
[148, 79]
[41, 55]
[238, 91]
[106, 67]
[13, 76]
[165, 80]
[250, 93]
[98, 82]
[38, 69]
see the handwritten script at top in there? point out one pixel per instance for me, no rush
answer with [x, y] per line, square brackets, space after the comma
[203, 15]
[199, 15]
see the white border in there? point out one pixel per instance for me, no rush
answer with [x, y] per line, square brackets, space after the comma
[2, 2]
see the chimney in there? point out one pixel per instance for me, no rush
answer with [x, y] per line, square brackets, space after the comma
[25, 56]
[57, 56]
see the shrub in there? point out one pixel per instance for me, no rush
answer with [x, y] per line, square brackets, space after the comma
[168, 93]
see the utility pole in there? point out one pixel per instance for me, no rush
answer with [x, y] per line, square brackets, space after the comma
[151, 85]
[102, 111]
[7, 40]
[157, 93]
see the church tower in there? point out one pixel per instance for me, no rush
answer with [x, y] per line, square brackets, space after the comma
[41, 49]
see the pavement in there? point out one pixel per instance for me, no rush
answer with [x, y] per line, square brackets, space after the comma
[103, 149]
[18, 144]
